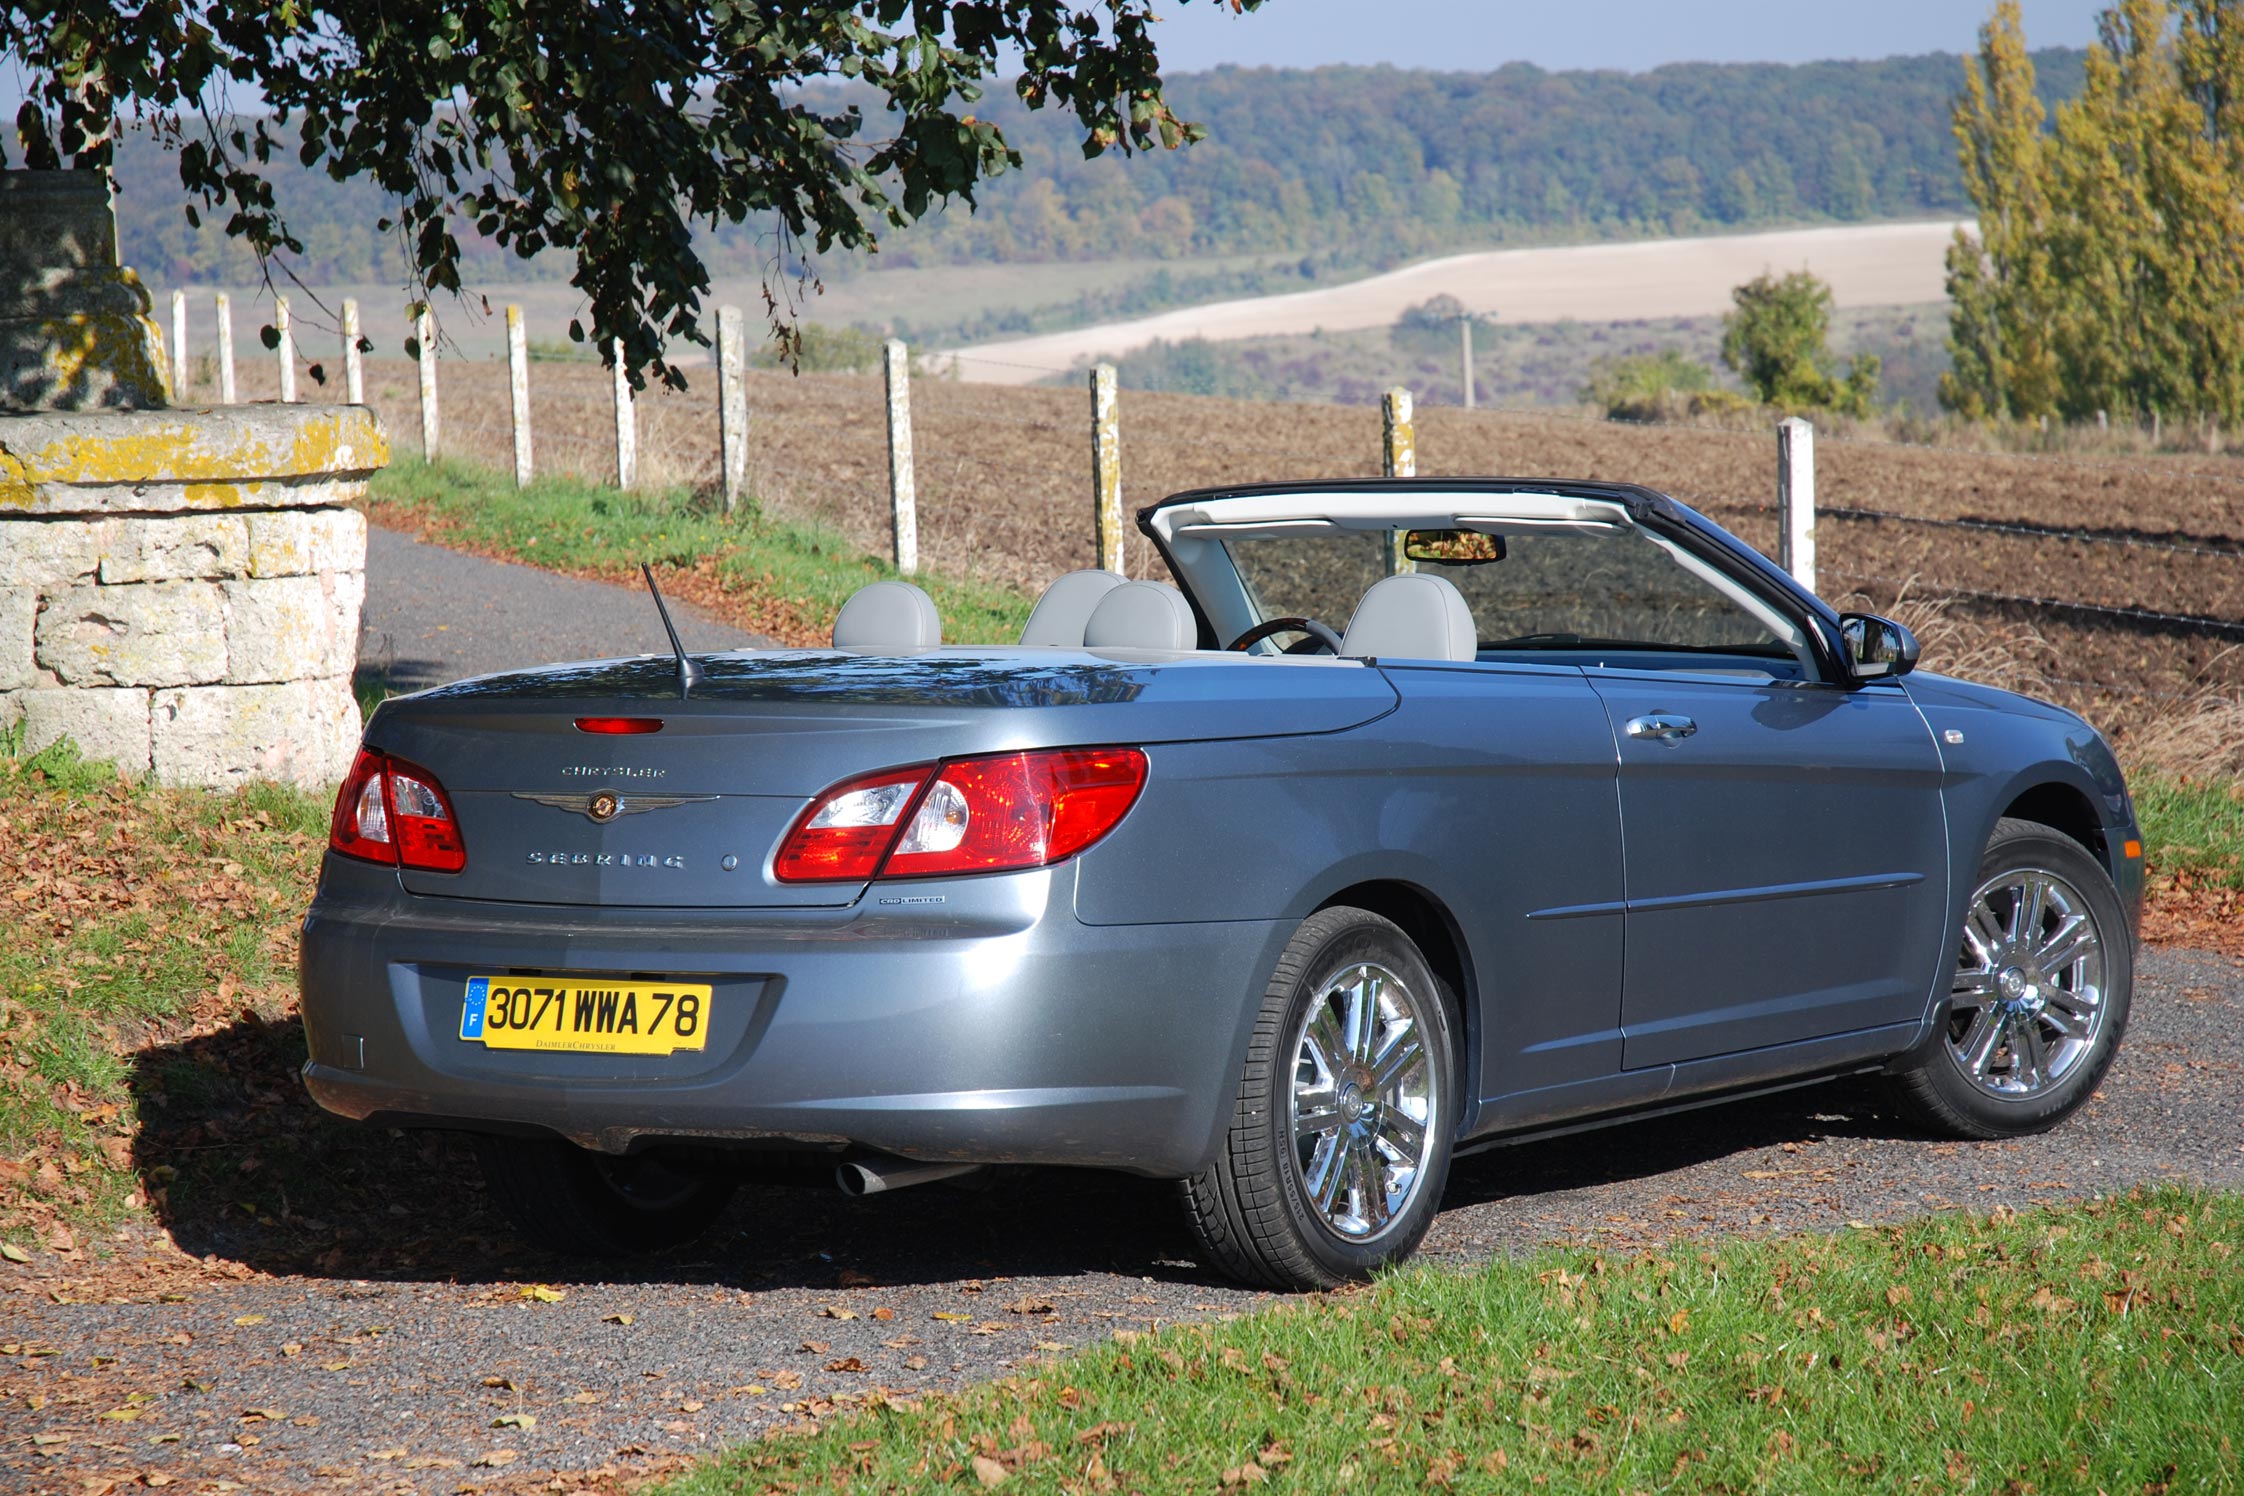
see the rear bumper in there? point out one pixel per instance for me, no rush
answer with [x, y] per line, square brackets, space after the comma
[987, 1026]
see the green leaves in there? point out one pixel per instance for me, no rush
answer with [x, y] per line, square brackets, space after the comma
[1778, 342]
[2109, 261]
[611, 130]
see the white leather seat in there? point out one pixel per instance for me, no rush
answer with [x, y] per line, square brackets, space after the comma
[1415, 616]
[1066, 607]
[888, 615]
[1141, 615]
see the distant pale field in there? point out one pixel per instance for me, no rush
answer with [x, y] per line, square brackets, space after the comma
[935, 294]
[1867, 265]
[1885, 264]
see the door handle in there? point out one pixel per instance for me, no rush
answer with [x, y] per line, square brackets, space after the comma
[1663, 727]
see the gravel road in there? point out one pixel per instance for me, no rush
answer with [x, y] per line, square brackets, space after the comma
[434, 615]
[397, 1381]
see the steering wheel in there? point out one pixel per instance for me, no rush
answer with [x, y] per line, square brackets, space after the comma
[1316, 631]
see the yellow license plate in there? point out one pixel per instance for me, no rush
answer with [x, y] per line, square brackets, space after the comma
[585, 1015]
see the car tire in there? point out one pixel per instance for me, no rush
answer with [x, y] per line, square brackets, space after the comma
[568, 1199]
[2034, 1015]
[1294, 1205]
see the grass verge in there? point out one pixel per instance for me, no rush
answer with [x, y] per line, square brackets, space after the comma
[134, 915]
[784, 579]
[2192, 825]
[2098, 1347]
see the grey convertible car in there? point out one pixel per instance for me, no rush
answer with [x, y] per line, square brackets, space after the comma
[1426, 816]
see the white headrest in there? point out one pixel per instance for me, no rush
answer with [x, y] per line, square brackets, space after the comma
[1066, 607]
[1415, 616]
[888, 615]
[1141, 615]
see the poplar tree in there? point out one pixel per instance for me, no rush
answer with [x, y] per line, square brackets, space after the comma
[1998, 280]
[2108, 268]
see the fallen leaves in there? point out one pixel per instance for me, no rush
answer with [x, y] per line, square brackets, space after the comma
[540, 1293]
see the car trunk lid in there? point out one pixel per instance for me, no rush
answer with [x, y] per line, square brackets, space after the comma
[689, 815]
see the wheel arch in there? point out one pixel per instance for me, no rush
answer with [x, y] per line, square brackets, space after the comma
[1435, 931]
[2064, 808]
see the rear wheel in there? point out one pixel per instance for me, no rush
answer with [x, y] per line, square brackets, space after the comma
[2039, 995]
[1340, 1132]
[569, 1199]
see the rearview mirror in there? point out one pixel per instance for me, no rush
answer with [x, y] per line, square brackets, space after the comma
[1876, 647]
[1453, 547]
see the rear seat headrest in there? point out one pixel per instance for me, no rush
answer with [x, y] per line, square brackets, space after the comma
[888, 615]
[1414, 616]
[1065, 608]
[1141, 615]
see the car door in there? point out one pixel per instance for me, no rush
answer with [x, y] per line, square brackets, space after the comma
[1786, 855]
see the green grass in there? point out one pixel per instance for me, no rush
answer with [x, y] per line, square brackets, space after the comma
[2192, 824]
[777, 577]
[2090, 1348]
[131, 912]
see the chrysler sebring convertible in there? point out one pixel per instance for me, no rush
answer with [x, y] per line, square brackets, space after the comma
[1417, 817]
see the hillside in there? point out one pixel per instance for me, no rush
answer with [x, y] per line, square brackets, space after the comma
[1313, 173]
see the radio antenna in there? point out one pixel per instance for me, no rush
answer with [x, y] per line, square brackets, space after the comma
[688, 671]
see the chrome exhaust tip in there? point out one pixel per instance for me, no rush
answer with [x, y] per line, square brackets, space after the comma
[878, 1173]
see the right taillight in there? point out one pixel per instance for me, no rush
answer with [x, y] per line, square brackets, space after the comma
[392, 812]
[976, 815]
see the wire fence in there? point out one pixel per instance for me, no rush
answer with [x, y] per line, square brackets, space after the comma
[2107, 579]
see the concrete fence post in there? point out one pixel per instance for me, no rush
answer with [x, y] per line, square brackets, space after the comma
[424, 333]
[1796, 500]
[1398, 459]
[354, 363]
[732, 403]
[1106, 470]
[179, 345]
[284, 346]
[627, 424]
[1465, 356]
[225, 314]
[518, 392]
[903, 491]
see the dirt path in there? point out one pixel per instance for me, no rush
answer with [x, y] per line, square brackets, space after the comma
[381, 1345]
[1878, 264]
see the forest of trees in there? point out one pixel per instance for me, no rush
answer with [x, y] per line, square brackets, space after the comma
[1352, 167]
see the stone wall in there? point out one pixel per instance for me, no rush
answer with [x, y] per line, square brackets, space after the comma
[180, 590]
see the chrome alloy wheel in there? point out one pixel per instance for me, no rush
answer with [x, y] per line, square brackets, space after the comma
[2027, 1004]
[1363, 1101]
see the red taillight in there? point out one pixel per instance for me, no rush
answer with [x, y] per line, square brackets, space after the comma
[631, 725]
[360, 826]
[390, 811]
[976, 815]
[849, 829]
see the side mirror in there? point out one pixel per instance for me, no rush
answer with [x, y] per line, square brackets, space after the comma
[1876, 647]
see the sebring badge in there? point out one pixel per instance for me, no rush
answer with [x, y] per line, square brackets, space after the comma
[605, 805]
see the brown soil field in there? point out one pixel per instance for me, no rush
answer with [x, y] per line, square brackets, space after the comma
[1004, 484]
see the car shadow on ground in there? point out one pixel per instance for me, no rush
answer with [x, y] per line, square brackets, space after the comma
[241, 1166]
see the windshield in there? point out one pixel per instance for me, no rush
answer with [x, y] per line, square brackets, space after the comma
[1608, 587]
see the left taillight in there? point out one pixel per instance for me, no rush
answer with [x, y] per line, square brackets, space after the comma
[393, 812]
[974, 815]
